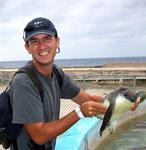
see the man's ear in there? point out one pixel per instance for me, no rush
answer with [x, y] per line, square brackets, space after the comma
[27, 48]
[58, 42]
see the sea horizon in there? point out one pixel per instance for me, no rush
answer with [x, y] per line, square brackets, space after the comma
[77, 62]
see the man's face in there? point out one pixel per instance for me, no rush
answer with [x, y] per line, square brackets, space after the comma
[42, 47]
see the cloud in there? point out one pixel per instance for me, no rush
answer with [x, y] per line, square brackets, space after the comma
[86, 27]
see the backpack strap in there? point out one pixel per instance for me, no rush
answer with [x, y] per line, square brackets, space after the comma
[30, 71]
[33, 76]
[58, 76]
[15, 145]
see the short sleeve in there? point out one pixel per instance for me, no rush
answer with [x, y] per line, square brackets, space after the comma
[26, 101]
[69, 88]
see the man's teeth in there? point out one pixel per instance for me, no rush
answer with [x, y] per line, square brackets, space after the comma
[43, 53]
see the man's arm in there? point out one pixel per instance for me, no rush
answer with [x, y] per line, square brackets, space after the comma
[42, 132]
[84, 97]
[90, 105]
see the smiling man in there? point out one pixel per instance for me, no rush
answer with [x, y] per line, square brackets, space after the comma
[39, 131]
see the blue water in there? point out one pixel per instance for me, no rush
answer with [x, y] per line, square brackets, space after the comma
[96, 62]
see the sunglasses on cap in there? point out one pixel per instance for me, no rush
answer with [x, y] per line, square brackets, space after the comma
[39, 27]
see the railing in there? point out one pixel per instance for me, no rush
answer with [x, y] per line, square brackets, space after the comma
[96, 83]
[93, 83]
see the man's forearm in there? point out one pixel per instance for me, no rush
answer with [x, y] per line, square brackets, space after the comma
[43, 132]
[84, 97]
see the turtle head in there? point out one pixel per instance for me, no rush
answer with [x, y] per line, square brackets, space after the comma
[130, 95]
[113, 95]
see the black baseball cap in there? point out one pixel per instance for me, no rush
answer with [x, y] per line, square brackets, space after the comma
[37, 26]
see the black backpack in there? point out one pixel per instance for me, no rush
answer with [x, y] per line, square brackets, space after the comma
[8, 131]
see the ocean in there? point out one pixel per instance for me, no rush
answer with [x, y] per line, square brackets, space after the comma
[93, 62]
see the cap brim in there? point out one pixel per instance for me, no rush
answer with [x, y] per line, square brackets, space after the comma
[39, 32]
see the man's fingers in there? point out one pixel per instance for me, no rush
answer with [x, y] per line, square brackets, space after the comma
[92, 108]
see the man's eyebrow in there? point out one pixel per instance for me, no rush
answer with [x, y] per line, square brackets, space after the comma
[33, 38]
[43, 37]
[48, 36]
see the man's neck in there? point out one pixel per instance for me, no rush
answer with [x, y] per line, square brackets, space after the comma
[46, 70]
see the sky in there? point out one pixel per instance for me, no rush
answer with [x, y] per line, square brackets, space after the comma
[87, 28]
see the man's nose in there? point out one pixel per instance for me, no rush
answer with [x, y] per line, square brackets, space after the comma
[42, 44]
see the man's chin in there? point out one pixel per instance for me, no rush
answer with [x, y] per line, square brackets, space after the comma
[43, 62]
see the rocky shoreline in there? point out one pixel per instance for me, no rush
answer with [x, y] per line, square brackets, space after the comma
[113, 65]
[126, 64]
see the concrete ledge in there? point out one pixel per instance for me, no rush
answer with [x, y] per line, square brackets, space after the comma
[79, 136]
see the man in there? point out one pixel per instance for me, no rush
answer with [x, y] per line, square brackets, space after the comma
[39, 132]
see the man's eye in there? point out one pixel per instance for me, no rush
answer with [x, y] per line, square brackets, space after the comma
[33, 41]
[48, 39]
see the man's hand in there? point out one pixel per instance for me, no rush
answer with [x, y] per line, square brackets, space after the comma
[135, 104]
[91, 108]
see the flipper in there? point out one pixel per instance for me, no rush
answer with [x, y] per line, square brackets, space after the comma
[107, 117]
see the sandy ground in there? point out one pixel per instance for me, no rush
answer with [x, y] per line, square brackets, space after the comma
[123, 65]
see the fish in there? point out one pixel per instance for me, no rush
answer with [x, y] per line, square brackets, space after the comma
[117, 103]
